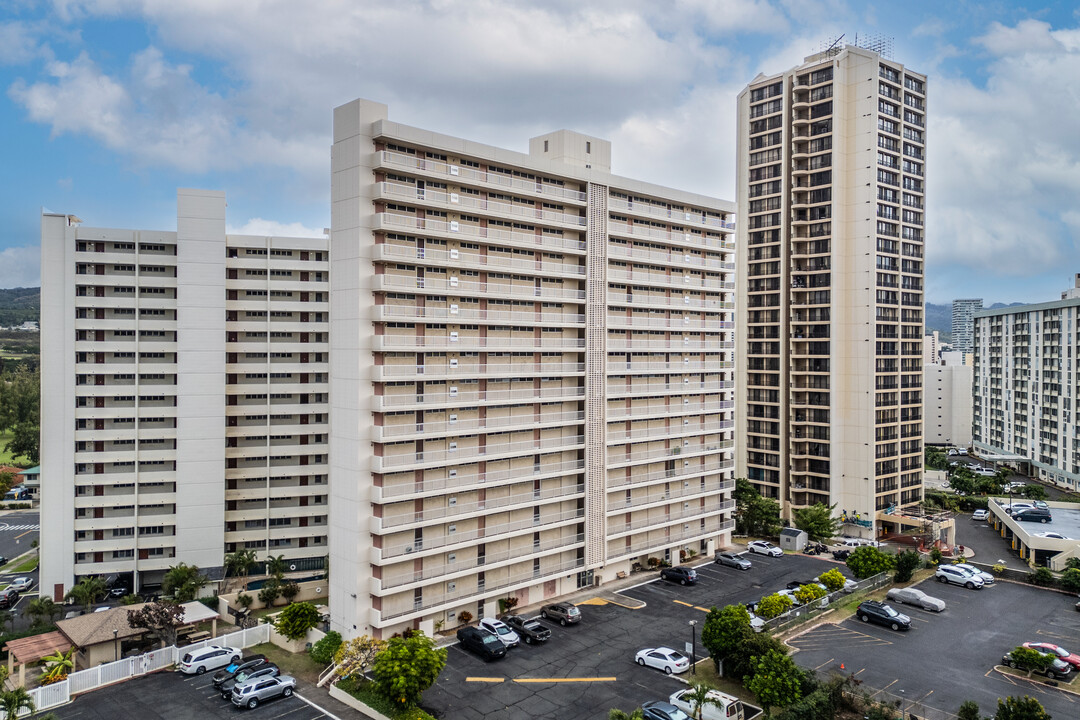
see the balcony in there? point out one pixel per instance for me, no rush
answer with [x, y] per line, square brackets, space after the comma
[714, 283]
[468, 343]
[710, 303]
[495, 451]
[454, 314]
[710, 466]
[685, 343]
[616, 459]
[668, 495]
[645, 524]
[493, 261]
[672, 539]
[690, 366]
[621, 435]
[465, 482]
[386, 433]
[641, 230]
[639, 254]
[615, 391]
[677, 324]
[388, 373]
[457, 399]
[686, 408]
[680, 217]
[510, 502]
[450, 201]
[451, 284]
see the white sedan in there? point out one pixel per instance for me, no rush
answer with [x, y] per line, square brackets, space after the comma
[501, 630]
[21, 584]
[1050, 535]
[980, 514]
[662, 658]
[763, 547]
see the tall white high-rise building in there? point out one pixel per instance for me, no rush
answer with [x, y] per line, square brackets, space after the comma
[183, 397]
[963, 323]
[831, 164]
[530, 372]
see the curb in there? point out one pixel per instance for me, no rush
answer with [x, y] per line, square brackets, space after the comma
[1003, 670]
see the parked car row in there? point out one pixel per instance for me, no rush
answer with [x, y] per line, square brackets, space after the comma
[720, 706]
[244, 681]
[492, 638]
[1062, 665]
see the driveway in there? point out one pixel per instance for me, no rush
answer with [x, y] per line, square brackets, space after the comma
[947, 658]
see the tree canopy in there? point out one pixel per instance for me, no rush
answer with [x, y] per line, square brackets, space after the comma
[818, 521]
[867, 561]
[754, 514]
[160, 618]
[406, 668]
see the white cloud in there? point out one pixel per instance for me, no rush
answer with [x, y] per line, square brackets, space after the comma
[20, 266]
[272, 228]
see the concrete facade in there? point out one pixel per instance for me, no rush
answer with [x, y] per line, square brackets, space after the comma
[830, 302]
[530, 372]
[948, 404]
[1024, 387]
[184, 397]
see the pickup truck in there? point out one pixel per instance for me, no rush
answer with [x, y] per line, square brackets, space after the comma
[529, 629]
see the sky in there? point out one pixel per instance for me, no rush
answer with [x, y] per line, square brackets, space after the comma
[108, 106]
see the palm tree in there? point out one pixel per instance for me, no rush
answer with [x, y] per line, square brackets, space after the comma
[617, 714]
[698, 697]
[87, 592]
[276, 566]
[239, 563]
[7, 618]
[15, 701]
[42, 607]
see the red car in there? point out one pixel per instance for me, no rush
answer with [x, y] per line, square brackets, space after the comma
[1057, 651]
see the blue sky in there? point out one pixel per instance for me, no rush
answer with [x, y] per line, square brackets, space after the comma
[109, 105]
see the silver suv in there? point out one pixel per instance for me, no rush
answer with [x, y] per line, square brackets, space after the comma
[256, 690]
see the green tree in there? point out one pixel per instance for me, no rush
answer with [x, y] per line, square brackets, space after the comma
[20, 402]
[1030, 660]
[969, 710]
[699, 699]
[294, 621]
[725, 634]
[323, 651]
[754, 514]
[42, 610]
[276, 566]
[867, 561]
[1041, 577]
[406, 668]
[160, 618]
[1034, 491]
[289, 590]
[818, 521]
[356, 656]
[245, 601]
[832, 579]
[1025, 708]
[807, 594]
[270, 592]
[936, 459]
[1073, 563]
[773, 605]
[87, 591]
[775, 679]
[617, 714]
[240, 563]
[963, 481]
[907, 562]
[15, 701]
[182, 582]
[1070, 580]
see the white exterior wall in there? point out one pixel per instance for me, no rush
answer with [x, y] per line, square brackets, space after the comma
[948, 405]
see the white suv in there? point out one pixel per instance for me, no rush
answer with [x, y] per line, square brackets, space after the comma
[210, 657]
[957, 576]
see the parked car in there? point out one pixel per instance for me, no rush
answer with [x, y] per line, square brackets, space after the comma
[731, 559]
[822, 602]
[956, 576]
[727, 707]
[660, 710]
[882, 614]
[987, 578]
[1013, 508]
[258, 690]
[229, 671]
[764, 547]
[482, 642]
[985, 472]
[680, 574]
[566, 613]
[1059, 668]
[1033, 515]
[528, 628]
[663, 658]
[914, 596]
[955, 451]
[850, 586]
[3, 561]
[508, 637]
[8, 597]
[981, 514]
[21, 584]
[266, 670]
[206, 658]
[1057, 651]
[1052, 536]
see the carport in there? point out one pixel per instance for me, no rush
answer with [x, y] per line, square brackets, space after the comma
[31, 649]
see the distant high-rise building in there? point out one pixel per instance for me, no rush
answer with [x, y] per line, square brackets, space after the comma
[931, 348]
[947, 389]
[830, 300]
[963, 313]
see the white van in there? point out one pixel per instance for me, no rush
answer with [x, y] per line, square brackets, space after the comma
[210, 657]
[729, 708]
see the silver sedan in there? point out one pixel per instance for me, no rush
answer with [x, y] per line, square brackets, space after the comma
[914, 596]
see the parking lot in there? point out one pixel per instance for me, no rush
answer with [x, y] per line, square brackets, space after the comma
[947, 658]
[173, 696]
[585, 670]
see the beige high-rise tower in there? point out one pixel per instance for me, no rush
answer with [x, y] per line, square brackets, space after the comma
[831, 158]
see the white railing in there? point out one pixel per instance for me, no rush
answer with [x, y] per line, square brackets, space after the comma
[450, 200]
[50, 696]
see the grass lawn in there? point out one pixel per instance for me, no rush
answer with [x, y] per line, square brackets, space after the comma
[6, 458]
[299, 665]
[27, 565]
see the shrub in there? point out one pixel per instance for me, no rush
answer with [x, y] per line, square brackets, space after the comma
[832, 579]
[935, 555]
[465, 616]
[807, 594]
[245, 601]
[998, 569]
[867, 561]
[1041, 577]
[323, 651]
[907, 563]
[406, 668]
[1071, 580]
[773, 605]
[270, 592]
[209, 601]
[1073, 562]
[295, 620]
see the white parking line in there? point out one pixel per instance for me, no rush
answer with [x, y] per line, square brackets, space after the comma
[323, 710]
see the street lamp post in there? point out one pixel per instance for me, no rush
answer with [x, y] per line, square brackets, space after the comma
[693, 647]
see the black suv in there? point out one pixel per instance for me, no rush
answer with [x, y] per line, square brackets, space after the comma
[1034, 514]
[230, 671]
[486, 645]
[882, 614]
[529, 629]
[681, 574]
[8, 597]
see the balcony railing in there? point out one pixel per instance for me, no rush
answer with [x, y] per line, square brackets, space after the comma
[478, 508]
[383, 433]
[639, 548]
[409, 283]
[680, 515]
[389, 463]
[462, 258]
[454, 314]
[555, 394]
[679, 217]
[471, 481]
[451, 201]
[675, 493]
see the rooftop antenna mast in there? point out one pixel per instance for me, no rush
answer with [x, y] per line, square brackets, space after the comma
[829, 50]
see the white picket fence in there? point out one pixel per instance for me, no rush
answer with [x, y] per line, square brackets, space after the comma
[59, 693]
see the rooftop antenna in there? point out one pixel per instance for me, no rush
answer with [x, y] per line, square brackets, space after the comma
[830, 50]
